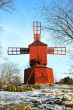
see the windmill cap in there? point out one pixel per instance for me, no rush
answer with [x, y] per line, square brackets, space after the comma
[38, 43]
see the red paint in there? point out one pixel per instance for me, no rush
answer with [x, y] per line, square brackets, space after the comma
[38, 52]
[39, 76]
[38, 72]
[37, 30]
[36, 37]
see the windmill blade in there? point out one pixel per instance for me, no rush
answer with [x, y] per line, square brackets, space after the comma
[56, 50]
[17, 50]
[37, 30]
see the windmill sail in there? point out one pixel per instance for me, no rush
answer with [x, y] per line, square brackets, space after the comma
[56, 50]
[17, 51]
[37, 30]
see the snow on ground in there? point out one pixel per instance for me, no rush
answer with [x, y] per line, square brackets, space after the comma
[46, 98]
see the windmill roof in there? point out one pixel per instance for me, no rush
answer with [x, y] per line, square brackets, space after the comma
[36, 43]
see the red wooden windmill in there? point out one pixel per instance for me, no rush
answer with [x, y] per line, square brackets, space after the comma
[38, 72]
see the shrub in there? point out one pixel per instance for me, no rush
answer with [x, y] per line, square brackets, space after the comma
[67, 80]
[17, 88]
[20, 106]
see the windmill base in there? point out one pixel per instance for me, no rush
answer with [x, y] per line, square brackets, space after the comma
[39, 75]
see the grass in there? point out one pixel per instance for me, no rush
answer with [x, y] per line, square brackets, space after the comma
[16, 88]
[20, 106]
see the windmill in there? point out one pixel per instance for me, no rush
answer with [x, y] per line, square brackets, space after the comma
[38, 72]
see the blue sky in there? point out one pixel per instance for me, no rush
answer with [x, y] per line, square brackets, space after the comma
[18, 32]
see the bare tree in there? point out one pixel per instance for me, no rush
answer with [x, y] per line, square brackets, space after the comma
[0, 50]
[9, 74]
[59, 21]
[6, 5]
